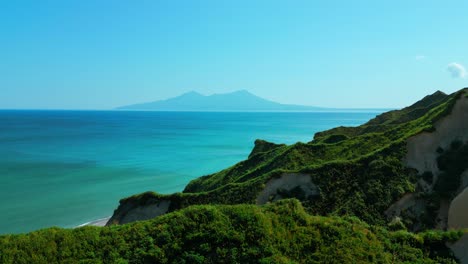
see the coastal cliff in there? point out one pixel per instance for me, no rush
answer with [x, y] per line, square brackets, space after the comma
[404, 167]
[382, 167]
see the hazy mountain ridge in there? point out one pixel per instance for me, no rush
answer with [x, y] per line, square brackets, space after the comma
[241, 100]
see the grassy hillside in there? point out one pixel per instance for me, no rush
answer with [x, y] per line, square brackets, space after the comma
[281, 232]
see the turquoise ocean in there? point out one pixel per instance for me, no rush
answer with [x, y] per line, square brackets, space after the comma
[67, 168]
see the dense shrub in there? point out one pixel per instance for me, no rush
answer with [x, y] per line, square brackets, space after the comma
[277, 233]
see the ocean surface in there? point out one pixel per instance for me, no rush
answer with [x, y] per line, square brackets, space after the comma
[67, 168]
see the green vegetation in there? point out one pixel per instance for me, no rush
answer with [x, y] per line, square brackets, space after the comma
[262, 146]
[276, 233]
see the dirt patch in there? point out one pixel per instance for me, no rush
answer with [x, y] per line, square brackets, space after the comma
[287, 182]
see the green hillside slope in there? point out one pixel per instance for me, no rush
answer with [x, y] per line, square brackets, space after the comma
[277, 233]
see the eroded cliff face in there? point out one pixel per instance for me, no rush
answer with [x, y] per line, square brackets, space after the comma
[288, 184]
[131, 211]
[458, 212]
[423, 151]
[423, 148]
[458, 219]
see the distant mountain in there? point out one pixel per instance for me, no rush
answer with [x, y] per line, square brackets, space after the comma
[236, 101]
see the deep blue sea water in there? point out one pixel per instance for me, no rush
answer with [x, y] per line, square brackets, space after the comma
[65, 168]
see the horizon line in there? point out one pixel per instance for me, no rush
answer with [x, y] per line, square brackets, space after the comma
[320, 109]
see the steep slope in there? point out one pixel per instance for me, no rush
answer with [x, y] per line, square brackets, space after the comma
[389, 119]
[236, 101]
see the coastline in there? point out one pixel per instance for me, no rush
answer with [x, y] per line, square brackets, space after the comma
[98, 222]
[63, 173]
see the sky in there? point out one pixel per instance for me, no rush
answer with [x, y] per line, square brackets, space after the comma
[88, 54]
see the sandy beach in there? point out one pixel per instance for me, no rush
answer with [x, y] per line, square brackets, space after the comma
[99, 222]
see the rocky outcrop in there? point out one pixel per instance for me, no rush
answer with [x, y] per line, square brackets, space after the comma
[135, 210]
[263, 146]
[288, 185]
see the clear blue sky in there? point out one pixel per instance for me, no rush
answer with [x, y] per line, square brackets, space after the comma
[88, 54]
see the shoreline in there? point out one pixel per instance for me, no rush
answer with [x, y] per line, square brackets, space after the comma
[98, 222]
